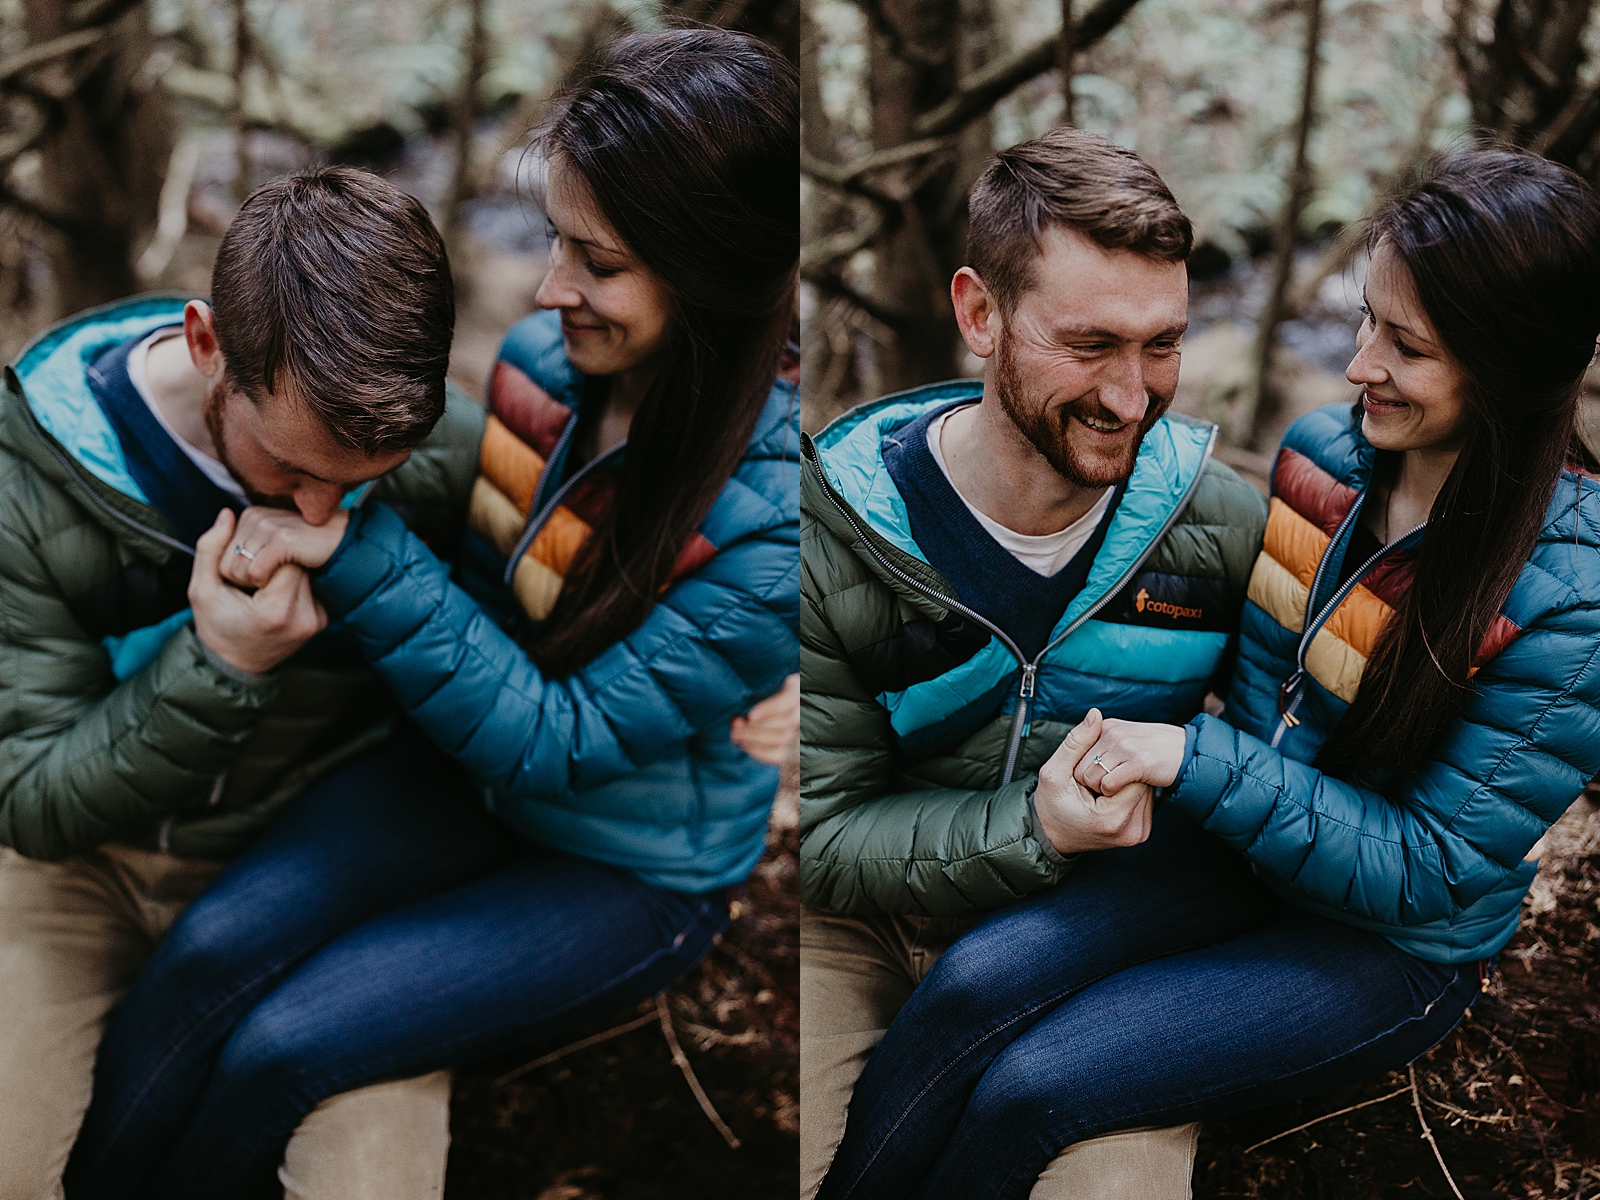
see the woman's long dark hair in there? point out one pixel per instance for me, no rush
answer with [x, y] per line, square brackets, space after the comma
[689, 142]
[1504, 250]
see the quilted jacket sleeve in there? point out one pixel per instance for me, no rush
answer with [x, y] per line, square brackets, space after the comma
[85, 759]
[866, 846]
[1426, 849]
[714, 643]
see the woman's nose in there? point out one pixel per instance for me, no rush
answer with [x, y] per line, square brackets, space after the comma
[1364, 367]
[558, 289]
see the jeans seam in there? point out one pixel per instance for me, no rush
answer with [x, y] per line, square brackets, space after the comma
[1053, 999]
[1216, 1094]
[450, 1048]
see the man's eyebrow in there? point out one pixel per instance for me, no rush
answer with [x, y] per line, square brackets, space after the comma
[1089, 333]
[294, 470]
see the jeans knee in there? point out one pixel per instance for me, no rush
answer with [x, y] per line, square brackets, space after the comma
[271, 1053]
[1014, 1095]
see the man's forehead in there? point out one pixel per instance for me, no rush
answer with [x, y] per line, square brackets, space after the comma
[1079, 285]
[295, 436]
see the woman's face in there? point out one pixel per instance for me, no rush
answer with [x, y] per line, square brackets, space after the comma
[614, 312]
[1413, 390]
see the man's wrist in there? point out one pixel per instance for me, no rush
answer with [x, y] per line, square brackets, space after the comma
[1051, 853]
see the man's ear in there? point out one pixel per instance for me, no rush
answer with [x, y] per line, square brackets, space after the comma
[976, 312]
[200, 332]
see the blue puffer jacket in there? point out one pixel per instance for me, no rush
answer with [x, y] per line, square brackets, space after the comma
[1432, 861]
[627, 760]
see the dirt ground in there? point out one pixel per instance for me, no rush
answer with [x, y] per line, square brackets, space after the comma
[617, 1120]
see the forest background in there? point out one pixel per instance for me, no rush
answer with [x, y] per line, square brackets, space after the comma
[1277, 124]
[129, 132]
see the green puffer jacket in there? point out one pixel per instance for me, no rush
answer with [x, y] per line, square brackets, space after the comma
[922, 730]
[116, 724]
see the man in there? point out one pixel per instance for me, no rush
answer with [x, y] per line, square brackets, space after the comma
[982, 565]
[153, 718]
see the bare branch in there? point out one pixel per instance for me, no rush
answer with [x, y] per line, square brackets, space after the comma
[682, 1061]
[55, 220]
[573, 1047]
[841, 245]
[30, 130]
[34, 56]
[981, 91]
[1326, 1117]
[1416, 1102]
[845, 175]
[98, 12]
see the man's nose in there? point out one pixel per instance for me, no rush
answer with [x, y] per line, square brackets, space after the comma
[1123, 391]
[318, 502]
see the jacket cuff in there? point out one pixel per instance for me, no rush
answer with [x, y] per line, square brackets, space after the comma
[1046, 847]
[1190, 733]
[237, 674]
[361, 560]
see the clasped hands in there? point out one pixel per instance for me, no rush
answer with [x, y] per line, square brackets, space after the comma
[1097, 789]
[268, 550]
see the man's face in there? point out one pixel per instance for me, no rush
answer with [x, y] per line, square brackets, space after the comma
[282, 453]
[1088, 360]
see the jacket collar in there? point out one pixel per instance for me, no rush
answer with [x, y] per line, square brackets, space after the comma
[849, 451]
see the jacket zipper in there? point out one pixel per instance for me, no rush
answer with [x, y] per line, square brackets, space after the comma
[536, 522]
[1030, 670]
[69, 465]
[1289, 692]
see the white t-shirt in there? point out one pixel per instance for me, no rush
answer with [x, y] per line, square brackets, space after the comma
[1044, 554]
[139, 375]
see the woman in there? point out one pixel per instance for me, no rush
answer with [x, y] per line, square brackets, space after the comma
[1415, 703]
[614, 614]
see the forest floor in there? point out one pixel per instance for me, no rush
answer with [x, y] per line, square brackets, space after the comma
[617, 1119]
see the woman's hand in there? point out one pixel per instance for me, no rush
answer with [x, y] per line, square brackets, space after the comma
[1131, 752]
[1076, 818]
[269, 537]
[768, 733]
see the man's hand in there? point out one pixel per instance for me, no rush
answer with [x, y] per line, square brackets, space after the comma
[1132, 752]
[1074, 817]
[252, 632]
[769, 731]
[267, 538]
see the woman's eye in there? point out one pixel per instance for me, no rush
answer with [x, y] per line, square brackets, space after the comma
[550, 233]
[600, 272]
[1405, 350]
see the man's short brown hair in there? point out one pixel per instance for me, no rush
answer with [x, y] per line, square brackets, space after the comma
[1071, 178]
[338, 281]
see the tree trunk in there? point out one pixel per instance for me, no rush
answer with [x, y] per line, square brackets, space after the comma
[102, 168]
[1287, 234]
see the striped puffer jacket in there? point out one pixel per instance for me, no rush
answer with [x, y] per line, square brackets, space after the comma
[1432, 860]
[627, 760]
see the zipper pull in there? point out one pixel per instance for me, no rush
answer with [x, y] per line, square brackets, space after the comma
[1025, 694]
[1286, 694]
[1029, 670]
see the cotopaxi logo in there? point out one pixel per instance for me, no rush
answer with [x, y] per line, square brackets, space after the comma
[1144, 604]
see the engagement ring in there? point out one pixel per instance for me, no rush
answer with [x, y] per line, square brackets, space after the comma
[1095, 761]
[238, 548]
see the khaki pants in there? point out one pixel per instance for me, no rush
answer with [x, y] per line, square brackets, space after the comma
[73, 934]
[855, 974]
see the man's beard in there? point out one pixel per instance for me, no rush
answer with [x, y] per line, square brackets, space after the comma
[212, 412]
[1050, 431]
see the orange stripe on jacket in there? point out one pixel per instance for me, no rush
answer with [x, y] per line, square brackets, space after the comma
[510, 464]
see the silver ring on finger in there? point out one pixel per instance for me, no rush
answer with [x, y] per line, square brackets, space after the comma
[238, 548]
[1095, 761]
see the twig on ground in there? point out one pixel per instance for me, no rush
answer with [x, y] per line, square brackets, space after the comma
[1416, 1102]
[581, 1044]
[1499, 1118]
[682, 1061]
[1326, 1117]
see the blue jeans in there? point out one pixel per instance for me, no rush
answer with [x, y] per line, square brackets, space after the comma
[384, 927]
[1083, 1011]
